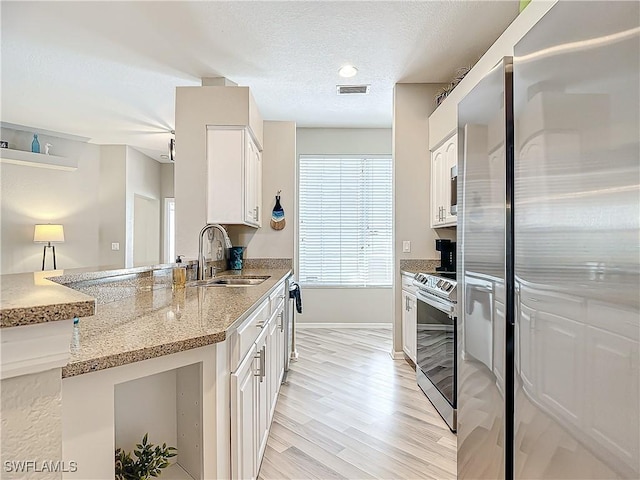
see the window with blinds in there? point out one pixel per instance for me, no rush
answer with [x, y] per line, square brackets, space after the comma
[345, 209]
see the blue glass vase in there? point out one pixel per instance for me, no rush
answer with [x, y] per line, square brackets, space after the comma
[235, 258]
[35, 145]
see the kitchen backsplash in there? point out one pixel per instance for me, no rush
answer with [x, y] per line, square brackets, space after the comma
[268, 263]
[419, 264]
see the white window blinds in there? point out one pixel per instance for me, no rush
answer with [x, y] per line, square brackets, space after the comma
[345, 208]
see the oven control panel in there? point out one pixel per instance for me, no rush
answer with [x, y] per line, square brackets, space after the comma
[436, 285]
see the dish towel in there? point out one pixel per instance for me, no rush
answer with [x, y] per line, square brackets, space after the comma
[294, 292]
[277, 216]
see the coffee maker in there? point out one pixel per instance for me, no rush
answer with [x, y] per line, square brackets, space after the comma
[447, 250]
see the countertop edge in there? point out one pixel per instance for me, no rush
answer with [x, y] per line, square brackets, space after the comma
[54, 312]
[147, 353]
[125, 358]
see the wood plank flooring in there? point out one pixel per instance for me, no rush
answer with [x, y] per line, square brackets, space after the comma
[348, 411]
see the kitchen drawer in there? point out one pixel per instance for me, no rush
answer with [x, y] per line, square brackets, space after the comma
[245, 336]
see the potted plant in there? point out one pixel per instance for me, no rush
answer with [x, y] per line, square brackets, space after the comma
[150, 460]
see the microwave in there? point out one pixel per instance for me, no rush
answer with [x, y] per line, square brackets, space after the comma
[453, 201]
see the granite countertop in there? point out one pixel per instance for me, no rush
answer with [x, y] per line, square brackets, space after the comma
[29, 298]
[411, 266]
[162, 321]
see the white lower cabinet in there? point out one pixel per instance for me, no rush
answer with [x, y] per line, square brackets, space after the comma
[409, 324]
[243, 418]
[254, 392]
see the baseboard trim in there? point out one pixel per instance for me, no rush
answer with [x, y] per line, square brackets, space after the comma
[397, 355]
[342, 325]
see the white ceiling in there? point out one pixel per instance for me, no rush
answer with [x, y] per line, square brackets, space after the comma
[108, 70]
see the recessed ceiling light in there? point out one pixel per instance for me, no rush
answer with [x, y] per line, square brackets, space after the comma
[348, 71]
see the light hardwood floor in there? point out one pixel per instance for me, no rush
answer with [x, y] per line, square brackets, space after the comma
[349, 411]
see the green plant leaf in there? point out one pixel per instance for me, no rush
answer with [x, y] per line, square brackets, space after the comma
[149, 462]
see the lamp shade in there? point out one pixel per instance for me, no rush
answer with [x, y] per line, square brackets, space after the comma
[45, 233]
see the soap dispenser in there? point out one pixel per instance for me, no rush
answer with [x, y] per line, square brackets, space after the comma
[179, 274]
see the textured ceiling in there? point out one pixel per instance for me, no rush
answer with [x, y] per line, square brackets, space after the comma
[108, 70]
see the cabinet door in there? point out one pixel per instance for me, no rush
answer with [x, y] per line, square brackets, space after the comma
[253, 182]
[258, 184]
[225, 182]
[234, 177]
[272, 365]
[438, 161]
[409, 319]
[451, 155]
[406, 341]
[250, 214]
[244, 419]
[262, 404]
[275, 355]
[280, 346]
[412, 325]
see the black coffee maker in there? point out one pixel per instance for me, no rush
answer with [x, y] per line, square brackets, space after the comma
[447, 250]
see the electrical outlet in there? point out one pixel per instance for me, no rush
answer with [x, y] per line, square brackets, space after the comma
[115, 246]
[406, 246]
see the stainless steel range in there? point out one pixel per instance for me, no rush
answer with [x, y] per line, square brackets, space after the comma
[436, 341]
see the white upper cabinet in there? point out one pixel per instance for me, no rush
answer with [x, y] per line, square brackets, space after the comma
[234, 177]
[443, 159]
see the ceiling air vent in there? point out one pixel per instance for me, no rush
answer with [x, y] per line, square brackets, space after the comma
[352, 89]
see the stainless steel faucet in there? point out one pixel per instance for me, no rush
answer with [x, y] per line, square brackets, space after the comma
[207, 227]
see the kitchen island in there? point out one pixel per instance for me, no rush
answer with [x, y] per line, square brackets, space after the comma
[161, 360]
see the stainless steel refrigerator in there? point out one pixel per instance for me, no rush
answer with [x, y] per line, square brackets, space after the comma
[549, 253]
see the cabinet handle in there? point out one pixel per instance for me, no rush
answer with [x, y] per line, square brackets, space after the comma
[281, 317]
[257, 213]
[260, 324]
[263, 362]
[258, 356]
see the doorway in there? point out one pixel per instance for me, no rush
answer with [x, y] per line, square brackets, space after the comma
[146, 231]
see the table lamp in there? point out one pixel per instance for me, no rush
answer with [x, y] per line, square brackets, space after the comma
[48, 233]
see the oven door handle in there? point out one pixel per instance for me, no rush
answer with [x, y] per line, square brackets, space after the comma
[442, 306]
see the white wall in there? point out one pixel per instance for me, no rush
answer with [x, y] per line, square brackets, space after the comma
[112, 194]
[32, 409]
[412, 188]
[30, 195]
[278, 173]
[94, 203]
[345, 305]
[157, 416]
[143, 178]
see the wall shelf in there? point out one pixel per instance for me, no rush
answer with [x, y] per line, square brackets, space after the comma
[30, 159]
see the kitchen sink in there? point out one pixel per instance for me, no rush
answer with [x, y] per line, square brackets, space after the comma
[229, 281]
